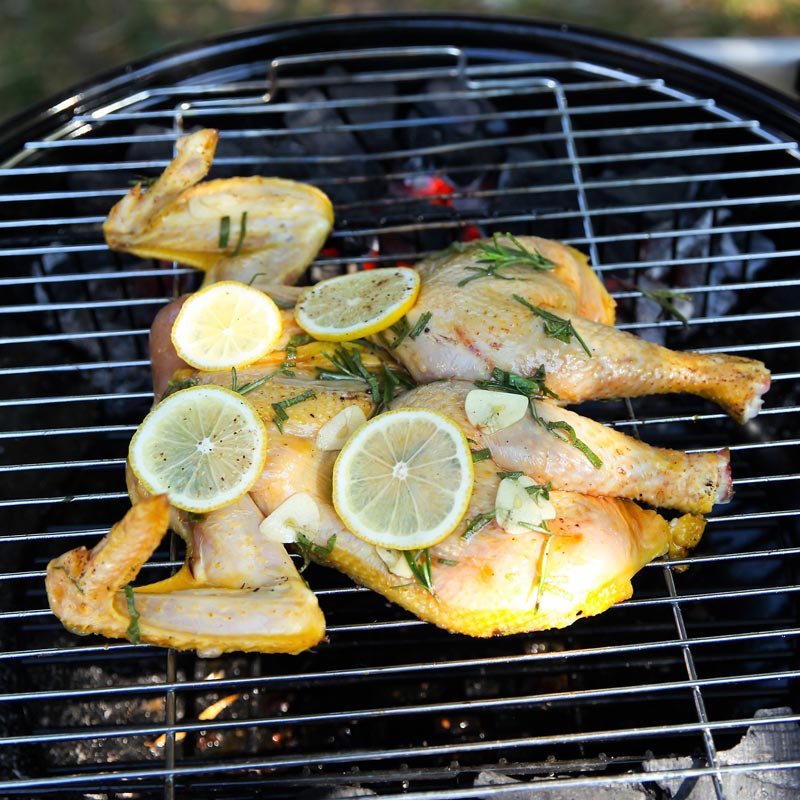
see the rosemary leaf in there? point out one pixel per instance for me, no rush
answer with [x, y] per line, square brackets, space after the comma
[421, 324]
[666, 299]
[280, 408]
[542, 572]
[421, 572]
[308, 548]
[476, 523]
[481, 455]
[572, 438]
[133, 633]
[224, 232]
[242, 233]
[555, 326]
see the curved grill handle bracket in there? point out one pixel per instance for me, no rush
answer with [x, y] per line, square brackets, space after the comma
[279, 70]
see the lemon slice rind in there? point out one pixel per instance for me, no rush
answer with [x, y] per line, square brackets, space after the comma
[358, 304]
[204, 447]
[226, 324]
[404, 479]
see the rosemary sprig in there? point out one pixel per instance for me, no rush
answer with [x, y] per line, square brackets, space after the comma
[224, 232]
[498, 256]
[280, 408]
[308, 548]
[542, 572]
[422, 322]
[133, 633]
[175, 386]
[476, 523]
[555, 326]
[346, 364]
[572, 438]
[666, 299]
[400, 329]
[421, 571]
[242, 233]
[533, 387]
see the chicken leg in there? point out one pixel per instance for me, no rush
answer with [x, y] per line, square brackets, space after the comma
[482, 321]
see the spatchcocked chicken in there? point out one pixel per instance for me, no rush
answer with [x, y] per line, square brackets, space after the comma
[499, 314]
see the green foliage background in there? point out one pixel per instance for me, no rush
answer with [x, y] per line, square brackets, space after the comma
[49, 45]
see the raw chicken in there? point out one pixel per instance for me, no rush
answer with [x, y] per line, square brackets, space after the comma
[260, 230]
[479, 325]
[490, 582]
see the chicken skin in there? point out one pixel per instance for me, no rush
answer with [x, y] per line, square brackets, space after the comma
[264, 231]
[483, 321]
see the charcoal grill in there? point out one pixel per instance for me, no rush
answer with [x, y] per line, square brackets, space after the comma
[669, 173]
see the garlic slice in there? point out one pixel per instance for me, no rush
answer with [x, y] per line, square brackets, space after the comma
[299, 512]
[516, 511]
[395, 561]
[337, 430]
[492, 411]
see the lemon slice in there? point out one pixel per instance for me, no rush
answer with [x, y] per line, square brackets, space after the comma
[403, 480]
[227, 324]
[358, 304]
[204, 447]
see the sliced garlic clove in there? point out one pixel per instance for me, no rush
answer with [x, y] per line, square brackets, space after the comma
[492, 411]
[516, 511]
[395, 561]
[337, 430]
[298, 513]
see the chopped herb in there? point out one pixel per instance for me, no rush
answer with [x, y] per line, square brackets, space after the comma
[224, 232]
[513, 475]
[308, 548]
[555, 326]
[72, 580]
[481, 455]
[421, 572]
[176, 386]
[400, 329]
[242, 233]
[666, 299]
[539, 492]
[280, 408]
[193, 517]
[542, 572]
[499, 255]
[572, 438]
[512, 383]
[133, 633]
[476, 523]
[347, 365]
[234, 380]
[447, 562]
[421, 324]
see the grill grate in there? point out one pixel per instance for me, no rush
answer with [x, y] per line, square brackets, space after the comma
[417, 146]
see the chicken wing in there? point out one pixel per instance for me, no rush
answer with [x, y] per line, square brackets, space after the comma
[257, 230]
[483, 318]
[236, 591]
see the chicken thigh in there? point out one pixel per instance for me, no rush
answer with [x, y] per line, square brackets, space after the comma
[482, 317]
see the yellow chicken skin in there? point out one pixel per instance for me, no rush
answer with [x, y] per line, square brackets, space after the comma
[477, 324]
[216, 603]
[264, 231]
[492, 582]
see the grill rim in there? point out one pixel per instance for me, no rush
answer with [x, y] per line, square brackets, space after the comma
[520, 35]
[699, 727]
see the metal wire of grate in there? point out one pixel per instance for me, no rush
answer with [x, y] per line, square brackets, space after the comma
[417, 147]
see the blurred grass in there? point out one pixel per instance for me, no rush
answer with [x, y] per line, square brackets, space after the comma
[46, 47]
